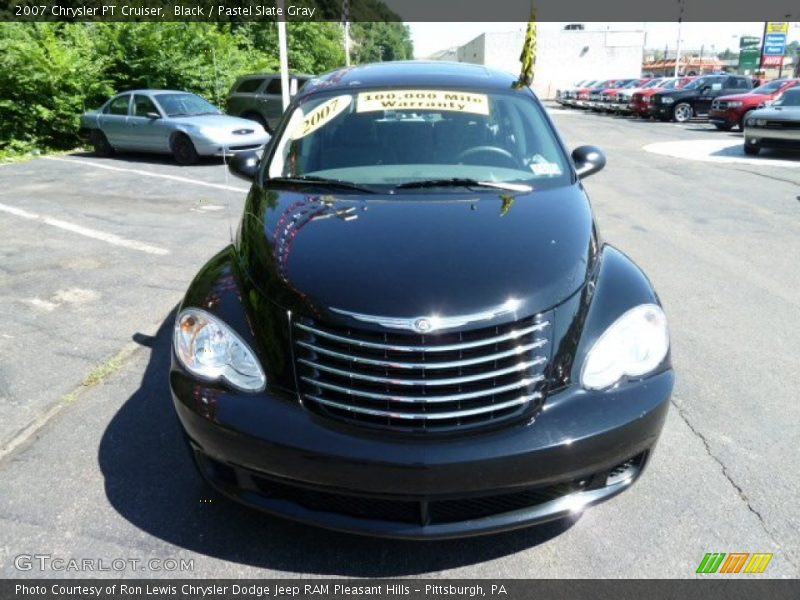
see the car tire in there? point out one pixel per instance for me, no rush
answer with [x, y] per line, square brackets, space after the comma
[251, 116]
[751, 150]
[100, 143]
[683, 112]
[723, 127]
[183, 150]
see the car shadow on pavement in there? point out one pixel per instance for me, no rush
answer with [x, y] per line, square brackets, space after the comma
[149, 158]
[151, 482]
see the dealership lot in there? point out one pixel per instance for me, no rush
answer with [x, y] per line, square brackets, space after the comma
[96, 253]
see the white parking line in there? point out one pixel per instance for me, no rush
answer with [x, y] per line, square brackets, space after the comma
[109, 238]
[149, 174]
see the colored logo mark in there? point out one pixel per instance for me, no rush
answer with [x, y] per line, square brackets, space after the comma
[735, 562]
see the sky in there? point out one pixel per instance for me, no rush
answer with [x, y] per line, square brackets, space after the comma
[430, 37]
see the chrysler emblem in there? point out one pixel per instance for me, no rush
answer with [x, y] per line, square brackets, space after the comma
[435, 322]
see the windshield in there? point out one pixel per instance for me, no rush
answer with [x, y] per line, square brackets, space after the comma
[399, 136]
[789, 98]
[698, 83]
[652, 83]
[185, 105]
[768, 88]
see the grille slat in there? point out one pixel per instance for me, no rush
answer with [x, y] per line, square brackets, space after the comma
[449, 380]
[425, 382]
[428, 415]
[461, 362]
[511, 335]
[352, 391]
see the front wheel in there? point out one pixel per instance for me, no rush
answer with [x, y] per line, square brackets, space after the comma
[183, 150]
[751, 150]
[682, 112]
[100, 143]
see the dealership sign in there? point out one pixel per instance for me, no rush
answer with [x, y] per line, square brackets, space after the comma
[749, 52]
[774, 44]
[773, 61]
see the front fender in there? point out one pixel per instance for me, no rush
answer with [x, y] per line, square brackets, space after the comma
[619, 285]
[220, 289]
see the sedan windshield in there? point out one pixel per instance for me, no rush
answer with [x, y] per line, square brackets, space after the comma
[185, 105]
[769, 88]
[789, 98]
[434, 137]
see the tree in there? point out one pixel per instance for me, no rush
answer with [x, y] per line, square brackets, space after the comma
[379, 41]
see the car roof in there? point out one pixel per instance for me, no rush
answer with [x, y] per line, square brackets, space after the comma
[265, 75]
[153, 91]
[411, 73]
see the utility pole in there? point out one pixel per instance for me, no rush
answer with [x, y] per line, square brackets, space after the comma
[761, 56]
[678, 50]
[283, 54]
[346, 24]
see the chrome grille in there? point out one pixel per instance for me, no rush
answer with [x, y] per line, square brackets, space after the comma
[416, 382]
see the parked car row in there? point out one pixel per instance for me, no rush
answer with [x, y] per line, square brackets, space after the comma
[768, 114]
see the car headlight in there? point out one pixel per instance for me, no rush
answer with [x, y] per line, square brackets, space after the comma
[734, 104]
[635, 344]
[750, 122]
[667, 100]
[760, 122]
[211, 350]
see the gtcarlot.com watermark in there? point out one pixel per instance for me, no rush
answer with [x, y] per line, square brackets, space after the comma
[61, 564]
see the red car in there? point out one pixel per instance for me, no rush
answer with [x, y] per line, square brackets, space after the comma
[730, 111]
[640, 101]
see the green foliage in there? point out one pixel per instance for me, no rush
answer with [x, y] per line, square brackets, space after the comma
[379, 41]
[50, 73]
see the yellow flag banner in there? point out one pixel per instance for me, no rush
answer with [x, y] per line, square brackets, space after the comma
[528, 56]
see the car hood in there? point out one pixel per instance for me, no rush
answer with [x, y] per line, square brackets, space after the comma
[417, 254]
[777, 113]
[677, 93]
[221, 122]
[745, 97]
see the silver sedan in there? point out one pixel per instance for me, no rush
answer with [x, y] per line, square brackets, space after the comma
[171, 122]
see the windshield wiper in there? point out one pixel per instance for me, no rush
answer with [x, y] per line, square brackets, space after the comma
[465, 182]
[322, 181]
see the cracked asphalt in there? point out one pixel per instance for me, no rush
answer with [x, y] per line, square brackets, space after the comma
[91, 465]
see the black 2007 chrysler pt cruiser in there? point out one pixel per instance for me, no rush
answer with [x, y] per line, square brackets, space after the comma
[418, 331]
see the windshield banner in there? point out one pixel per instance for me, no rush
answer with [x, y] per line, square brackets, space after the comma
[423, 100]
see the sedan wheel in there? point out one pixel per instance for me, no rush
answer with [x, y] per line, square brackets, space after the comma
[683, 112]
[183, 150]
[100, 143]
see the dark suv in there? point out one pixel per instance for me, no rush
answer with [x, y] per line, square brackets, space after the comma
[695, 99]
[258, 97]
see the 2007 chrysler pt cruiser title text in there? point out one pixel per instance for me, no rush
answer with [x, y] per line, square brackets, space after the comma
[418, 331]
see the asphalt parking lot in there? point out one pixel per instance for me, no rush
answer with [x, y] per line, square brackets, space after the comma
[96, 253]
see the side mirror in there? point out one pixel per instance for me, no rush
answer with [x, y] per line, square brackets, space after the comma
[153, 115]
[244, 165]
[588, 160]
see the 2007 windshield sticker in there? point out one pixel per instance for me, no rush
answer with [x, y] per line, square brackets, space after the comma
[423, 100]
[321, 115]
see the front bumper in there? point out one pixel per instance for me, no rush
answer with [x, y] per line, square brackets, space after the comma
[775, 138]
[662, 111]
[231, 144]
[273, 454]
[725, 118]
